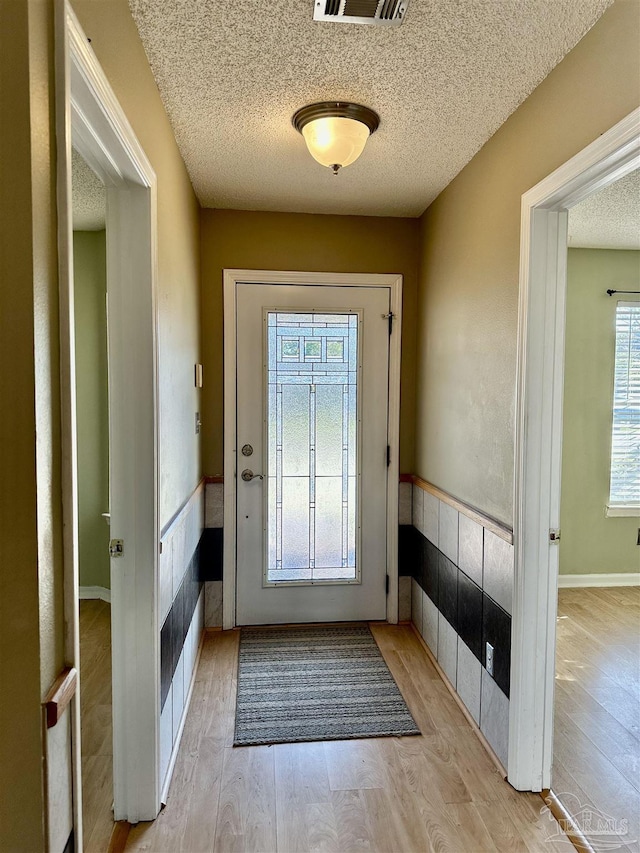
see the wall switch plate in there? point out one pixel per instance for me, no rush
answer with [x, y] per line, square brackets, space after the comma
[198, 376]
[489, 659]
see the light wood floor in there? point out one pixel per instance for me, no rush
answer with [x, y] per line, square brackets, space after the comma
[437, 792]
[95, 714]
[597, 712]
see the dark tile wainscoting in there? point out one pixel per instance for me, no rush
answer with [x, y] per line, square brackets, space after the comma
[461, 591]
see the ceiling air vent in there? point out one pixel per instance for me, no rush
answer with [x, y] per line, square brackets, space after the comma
[382, 13]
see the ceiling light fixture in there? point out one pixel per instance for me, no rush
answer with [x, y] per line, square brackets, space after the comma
[335, 131]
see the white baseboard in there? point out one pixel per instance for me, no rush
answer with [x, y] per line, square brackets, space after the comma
[601, 580]
[100, 592]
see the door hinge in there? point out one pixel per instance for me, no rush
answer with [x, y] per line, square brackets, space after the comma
[554, 535]
[116, 547]
[388, 455]
[386, 584]
[389, 317]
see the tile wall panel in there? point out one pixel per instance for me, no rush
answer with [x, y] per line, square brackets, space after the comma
[470, 548]
[496, 630]
[494, 716]
[182, 617]
[498, 570]
[430, 557]
[405, 503]
[470, 614]
[447, 648]
[457, 615]
[430, 614]
[416, 602]
[431, 516]
[448, 589]
[448, 531]
[213, 604]
[469, 679]
[418, 510]
[404, 598]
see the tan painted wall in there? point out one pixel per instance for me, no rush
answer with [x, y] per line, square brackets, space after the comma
[468, 289]
[92, 405]
[591, 542]
[115, 40]
[293, 241]
[31, 626]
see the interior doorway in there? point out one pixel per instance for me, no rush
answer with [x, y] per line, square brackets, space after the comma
[90, 120]
[311, 446]
[92, 453]
[538, 457]
[596, 753]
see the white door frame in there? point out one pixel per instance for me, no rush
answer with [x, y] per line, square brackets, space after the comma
[88, 113]
[231, 278]
[538, 449]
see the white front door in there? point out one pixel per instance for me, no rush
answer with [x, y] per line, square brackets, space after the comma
[312, 425]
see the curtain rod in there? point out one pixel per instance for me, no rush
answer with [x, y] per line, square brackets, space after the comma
[611, 292]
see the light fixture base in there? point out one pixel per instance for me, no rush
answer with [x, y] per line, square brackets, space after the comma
[335, 109]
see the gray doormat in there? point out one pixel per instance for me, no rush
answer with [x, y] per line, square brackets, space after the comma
[318, 683]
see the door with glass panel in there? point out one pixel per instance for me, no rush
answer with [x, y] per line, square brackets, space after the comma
[312, 414]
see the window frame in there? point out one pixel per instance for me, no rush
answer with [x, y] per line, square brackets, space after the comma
[618, 508]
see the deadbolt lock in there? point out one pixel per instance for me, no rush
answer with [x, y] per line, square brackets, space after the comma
[247, 450]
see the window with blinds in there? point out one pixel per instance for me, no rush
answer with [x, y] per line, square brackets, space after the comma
[625, 443]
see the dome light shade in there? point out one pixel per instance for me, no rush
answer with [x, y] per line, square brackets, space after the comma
[335, 132]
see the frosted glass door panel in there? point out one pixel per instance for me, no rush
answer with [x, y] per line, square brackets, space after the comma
[311, 450]
[312, 447]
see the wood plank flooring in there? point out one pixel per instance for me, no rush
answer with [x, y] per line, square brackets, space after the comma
[597, 710]
[95, 714]
[436, 793]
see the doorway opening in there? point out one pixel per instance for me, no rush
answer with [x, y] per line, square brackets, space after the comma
[91, 122]
[311, 447]
[597, 684]
[92, 449]
[540, 391]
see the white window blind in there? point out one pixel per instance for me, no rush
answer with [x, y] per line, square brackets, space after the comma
[625, 443]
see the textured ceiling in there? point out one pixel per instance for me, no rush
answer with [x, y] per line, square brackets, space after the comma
[88, 196]
[609, 219]
[231, 74]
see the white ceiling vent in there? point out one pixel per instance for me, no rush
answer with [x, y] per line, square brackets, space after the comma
[382, 13]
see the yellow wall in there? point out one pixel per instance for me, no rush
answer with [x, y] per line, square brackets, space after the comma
[294, 241]
[116, 42]
[31, 625]
[92, 403]
[468, 288]
[590, 541]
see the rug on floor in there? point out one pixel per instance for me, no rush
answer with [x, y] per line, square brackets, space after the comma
[316, 683]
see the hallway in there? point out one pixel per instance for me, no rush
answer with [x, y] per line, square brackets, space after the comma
[436, 792]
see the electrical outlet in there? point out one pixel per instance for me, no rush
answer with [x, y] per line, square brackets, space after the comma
[489, 659]
[198, 422]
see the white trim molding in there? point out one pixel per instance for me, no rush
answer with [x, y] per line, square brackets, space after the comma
[599, 580]
[90, 118]
[612, 511]
[95, 592]
[538, 448]
[231, 278]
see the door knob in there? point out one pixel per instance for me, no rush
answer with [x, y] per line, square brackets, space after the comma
[248, 475]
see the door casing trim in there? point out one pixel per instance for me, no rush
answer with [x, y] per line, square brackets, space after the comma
[233, 277]
[89, 114]
[538, 446]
